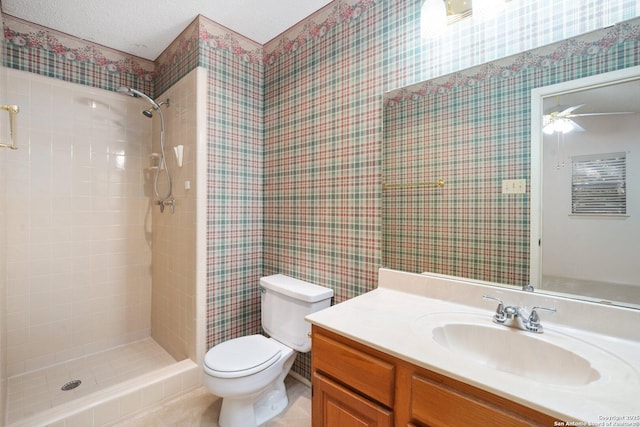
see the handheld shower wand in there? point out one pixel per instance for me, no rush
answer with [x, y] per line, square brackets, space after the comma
[164, 199]
[137, 94]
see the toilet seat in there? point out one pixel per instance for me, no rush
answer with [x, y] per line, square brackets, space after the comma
[242, 356]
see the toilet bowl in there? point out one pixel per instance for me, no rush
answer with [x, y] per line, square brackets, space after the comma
[249, 372]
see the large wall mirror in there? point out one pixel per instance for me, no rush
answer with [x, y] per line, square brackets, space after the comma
[585, 187]
[465, 158]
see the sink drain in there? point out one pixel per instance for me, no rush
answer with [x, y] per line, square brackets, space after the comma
[71, 385]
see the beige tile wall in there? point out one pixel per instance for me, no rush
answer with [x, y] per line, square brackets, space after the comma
[175, 251]
[77, 222]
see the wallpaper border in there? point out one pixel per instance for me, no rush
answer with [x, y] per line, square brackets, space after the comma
[594, 43]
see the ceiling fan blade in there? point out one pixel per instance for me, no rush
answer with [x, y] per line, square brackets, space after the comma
[614, 113]
[557, 109]
[576, 126]
[567, 111]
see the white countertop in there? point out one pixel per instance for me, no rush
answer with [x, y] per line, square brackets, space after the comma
[388, 320]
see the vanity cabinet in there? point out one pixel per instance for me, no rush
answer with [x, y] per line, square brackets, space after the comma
[352, 385]
[355, 385]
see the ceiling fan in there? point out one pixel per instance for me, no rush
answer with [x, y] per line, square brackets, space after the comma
[558, 119]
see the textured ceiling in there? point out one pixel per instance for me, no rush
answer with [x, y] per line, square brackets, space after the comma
[146, 27]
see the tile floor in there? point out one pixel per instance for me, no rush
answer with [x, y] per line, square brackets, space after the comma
[200, 408]
[37, 391]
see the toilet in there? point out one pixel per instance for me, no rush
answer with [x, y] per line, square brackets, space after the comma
[248, 372]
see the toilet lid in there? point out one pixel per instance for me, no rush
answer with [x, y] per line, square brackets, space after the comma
[242, 356]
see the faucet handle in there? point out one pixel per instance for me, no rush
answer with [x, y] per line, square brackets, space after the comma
[534, 319]
[492, 298]
[534, 314]
[500, 315]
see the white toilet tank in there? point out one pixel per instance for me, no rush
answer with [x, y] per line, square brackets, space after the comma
[285, 302]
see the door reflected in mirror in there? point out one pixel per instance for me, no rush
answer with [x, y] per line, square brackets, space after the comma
[587, 137]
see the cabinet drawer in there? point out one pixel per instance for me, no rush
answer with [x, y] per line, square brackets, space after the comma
[435, 404]
[363, 372]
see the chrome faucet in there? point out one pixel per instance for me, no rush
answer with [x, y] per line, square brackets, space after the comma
[514, 317]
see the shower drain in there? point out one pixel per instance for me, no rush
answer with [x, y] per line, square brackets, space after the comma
[71, 385]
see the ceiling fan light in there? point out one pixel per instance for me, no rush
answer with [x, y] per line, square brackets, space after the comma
[558, 125]
[564, 125]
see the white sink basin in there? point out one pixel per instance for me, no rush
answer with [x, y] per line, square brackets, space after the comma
[550, 358]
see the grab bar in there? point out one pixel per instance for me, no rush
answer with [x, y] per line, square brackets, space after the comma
[12, 110]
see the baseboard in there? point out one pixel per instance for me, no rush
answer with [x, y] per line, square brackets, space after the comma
[300, 378]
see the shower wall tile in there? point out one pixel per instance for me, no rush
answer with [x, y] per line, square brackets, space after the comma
[174, 235]
[78, 262]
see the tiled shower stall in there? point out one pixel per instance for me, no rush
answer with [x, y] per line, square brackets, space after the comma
[79, 245]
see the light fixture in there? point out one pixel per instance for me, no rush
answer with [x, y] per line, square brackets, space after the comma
[435, 15]
[559, 125]
[559, 119]
[433, 18]
[555, 122]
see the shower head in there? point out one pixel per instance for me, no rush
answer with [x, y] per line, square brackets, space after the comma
[149, 112]
[137, 94]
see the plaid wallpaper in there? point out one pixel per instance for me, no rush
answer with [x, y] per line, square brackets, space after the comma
[322, 163]
[234, 187]
[324, 142]
[476, 135]
[295, 132]
[472, 137]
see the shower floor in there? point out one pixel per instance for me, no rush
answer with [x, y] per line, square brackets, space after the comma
[40, 390]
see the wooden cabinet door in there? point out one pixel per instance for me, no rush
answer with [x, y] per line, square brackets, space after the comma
[334, 405]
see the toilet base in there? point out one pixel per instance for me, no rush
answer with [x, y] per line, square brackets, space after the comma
[271, 404]
[252, 412]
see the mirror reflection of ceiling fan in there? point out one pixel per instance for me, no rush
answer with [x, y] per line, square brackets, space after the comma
[558, 119]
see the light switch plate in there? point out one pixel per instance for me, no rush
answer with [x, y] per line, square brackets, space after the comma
[514, 186]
